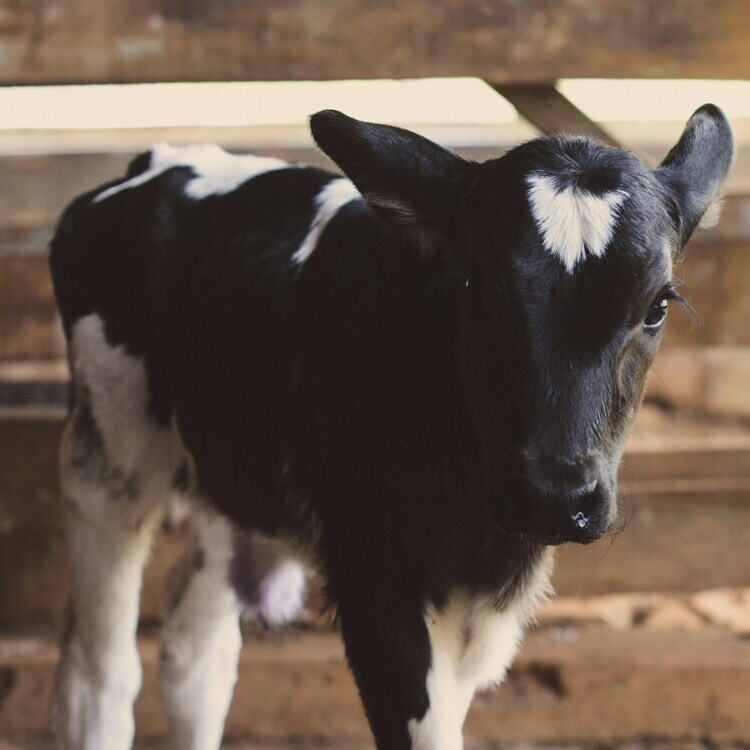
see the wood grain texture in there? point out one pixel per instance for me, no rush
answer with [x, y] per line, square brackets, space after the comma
[70, 41]
[686, 497]
[712, 379]
[29, 326]
[684, 538]
[573, 686]
[551, 112]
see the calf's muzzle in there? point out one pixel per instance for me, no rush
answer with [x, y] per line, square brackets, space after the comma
[558, 498]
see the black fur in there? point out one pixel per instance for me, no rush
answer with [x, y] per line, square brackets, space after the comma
[430, 387]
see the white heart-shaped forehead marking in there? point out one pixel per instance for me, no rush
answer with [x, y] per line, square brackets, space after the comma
[571, 220]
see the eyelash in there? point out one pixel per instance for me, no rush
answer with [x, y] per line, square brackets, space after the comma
[670, 293]
[659, 310]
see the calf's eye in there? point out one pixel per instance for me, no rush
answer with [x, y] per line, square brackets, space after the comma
[655, 318]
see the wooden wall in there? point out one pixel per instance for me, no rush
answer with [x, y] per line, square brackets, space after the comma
[688, 492]
[505, 41]
[690, 524]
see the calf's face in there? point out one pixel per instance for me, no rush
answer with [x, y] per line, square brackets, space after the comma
[561, 252]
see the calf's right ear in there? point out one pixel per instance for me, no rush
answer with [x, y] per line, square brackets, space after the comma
[696, 167]
[405, 177]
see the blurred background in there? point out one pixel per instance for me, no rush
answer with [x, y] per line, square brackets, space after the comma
[648, 643]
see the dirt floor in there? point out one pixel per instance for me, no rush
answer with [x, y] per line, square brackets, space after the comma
[632, 667]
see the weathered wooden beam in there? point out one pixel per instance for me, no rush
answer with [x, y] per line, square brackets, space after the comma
[710, 379]
[36, 188]
[552, 112]
[687, 536]
[577, 685]
[504, 41]
[29, 327]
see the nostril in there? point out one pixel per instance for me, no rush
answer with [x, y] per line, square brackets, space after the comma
[569, 477]
[584, 501]
[579, 492]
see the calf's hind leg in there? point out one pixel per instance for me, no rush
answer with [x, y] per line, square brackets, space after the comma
[201, 639]
[109, 531]
[116, 469]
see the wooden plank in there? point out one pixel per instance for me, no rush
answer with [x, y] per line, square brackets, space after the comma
[36, 187]
[33, 383]
[684, 538]
[32, 554]
[592, 685]
[504, 41]
[33, 577]
[29, 491]
[709, 379]
[690, 466]
[29, 326]
[713, 276]
[687, 499]
[551, 112]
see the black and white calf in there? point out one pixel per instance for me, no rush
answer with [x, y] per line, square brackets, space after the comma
[415, 379]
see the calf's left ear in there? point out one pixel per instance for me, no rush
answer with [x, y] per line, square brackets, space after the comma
[405, 177]
[695, 169]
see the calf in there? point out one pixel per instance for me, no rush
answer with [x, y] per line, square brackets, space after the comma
[416, 379]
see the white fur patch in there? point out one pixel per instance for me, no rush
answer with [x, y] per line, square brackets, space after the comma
[118, 392]
[99, 673]
[217, 171]
[282, 594]
[472, 645]
[331, 198]
[573, 221]
[667, 248]
[712, 214]
[116, 470]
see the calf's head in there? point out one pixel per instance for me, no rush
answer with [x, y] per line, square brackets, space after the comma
[562, 253]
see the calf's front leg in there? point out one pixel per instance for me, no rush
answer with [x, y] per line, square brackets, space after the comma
[418, 666]
[412, 694]
[388, 649]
